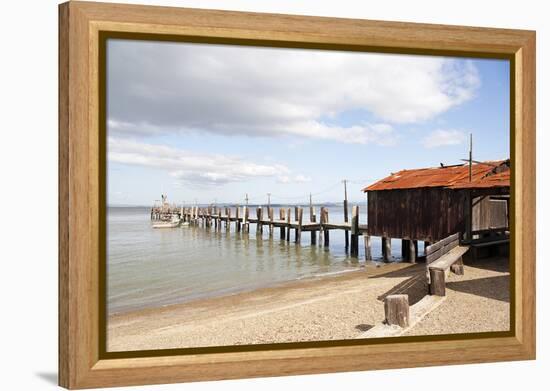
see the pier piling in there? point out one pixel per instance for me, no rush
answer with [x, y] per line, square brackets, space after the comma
[324, 220]
[288, 225]
[386, 249]
[219, 217]
[368, 253]
[298, 230]
[259, 225]
[354, 231]
[237, 219]
[312, 219]
[282, 228]
[270, 216]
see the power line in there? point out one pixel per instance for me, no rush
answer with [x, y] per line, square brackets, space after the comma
[305, 196]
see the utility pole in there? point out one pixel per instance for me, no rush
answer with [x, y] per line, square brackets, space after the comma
[470, 158]
[345, 182]
[246, 199]
[268, 201]
[310, 203]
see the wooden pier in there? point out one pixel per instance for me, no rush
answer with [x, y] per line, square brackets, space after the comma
[286, 220]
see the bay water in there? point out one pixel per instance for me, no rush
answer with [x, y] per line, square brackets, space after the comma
[149, 267]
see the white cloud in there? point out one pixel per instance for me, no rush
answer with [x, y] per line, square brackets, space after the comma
[441, 137]
[287, 179]
[166, 87]
[195, 168]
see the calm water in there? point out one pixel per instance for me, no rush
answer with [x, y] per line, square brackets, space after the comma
[154, 267]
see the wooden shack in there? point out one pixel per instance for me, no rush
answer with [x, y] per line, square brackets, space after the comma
[429, 204]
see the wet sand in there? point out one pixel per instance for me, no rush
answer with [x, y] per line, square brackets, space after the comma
[327, 308]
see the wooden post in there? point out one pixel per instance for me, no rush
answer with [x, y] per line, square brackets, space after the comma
[368, 252]
[354, 231]
[396, 308]
[405, 249]
[259, 225]
[246, 216]
[228, 221]
[312, 219]
[270, 216]
[321, 222]
[282, 228]
[437, 282]
[386, 249]
[237, 219]
[215, 217]
[326, 239]
[288, 225]
[298, 231]
[458, 267]
[346, 236]
[468, 216]
[245, 219]
[413, 251]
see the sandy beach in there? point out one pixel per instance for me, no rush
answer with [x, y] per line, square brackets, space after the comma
[329, 308]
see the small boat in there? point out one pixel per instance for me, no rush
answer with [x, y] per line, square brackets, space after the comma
[172, 223]
[185, 224]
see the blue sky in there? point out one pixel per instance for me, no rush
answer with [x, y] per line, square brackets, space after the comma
[209, 122]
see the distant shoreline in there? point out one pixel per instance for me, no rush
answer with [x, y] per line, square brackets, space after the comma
[274, 205]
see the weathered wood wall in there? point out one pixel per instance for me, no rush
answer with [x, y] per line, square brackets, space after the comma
[428, 214]
[489, 213]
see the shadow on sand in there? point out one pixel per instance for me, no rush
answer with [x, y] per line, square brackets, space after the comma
[364, 327]
[497, 288]
[496, 264]
[415, 287]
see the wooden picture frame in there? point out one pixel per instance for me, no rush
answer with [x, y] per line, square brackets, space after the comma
[82, 28]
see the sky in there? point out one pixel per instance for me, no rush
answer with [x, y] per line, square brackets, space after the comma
[213, 123]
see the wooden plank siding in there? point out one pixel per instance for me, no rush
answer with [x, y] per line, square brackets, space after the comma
[489, 213]
[428, 214]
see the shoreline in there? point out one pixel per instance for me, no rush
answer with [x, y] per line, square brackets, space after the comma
[373, 268]
[361, 267]
[318, 308]
[200, 322]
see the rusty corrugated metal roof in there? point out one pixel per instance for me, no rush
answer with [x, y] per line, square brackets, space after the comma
[501, 179]
[447, 176]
